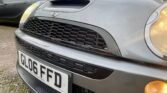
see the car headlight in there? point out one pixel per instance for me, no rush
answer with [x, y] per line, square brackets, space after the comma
[28, 12]
[156, 32]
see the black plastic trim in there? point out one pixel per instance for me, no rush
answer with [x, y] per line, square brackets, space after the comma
[73, 65]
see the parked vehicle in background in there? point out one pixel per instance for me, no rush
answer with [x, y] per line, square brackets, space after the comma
[94, 46]
[12, 10]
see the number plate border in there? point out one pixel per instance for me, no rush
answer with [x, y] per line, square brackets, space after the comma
[70, 75]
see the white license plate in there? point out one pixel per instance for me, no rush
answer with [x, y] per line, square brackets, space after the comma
[48, 75]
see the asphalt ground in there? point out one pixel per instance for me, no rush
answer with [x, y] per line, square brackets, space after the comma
[9, 79]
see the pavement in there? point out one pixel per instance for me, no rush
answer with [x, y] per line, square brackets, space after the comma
[9, 79]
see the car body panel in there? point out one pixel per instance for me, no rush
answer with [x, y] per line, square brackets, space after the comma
[123, 14]
[128, 82]
[125, 22]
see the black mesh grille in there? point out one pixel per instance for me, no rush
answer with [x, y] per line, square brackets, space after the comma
[67, 34]
[78, 89]
[72, 65]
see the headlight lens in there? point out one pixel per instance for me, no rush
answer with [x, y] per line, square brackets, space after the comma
[156, 33]
[28, 12]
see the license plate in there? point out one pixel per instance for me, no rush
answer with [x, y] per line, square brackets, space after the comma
[54, 78]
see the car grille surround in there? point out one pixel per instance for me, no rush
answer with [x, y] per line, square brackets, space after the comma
[66, 34]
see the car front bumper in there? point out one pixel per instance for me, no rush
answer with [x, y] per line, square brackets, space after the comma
[126, 76]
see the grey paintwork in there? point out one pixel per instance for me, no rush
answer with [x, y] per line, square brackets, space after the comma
[125, 21]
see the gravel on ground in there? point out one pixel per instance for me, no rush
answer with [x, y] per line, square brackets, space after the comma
[9, 79]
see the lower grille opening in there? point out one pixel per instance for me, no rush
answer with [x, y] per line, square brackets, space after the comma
[78, 89]
[66, 63]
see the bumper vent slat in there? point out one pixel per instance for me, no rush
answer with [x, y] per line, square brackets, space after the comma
[66, 34]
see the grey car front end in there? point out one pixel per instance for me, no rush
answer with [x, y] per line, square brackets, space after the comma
[90, 46]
